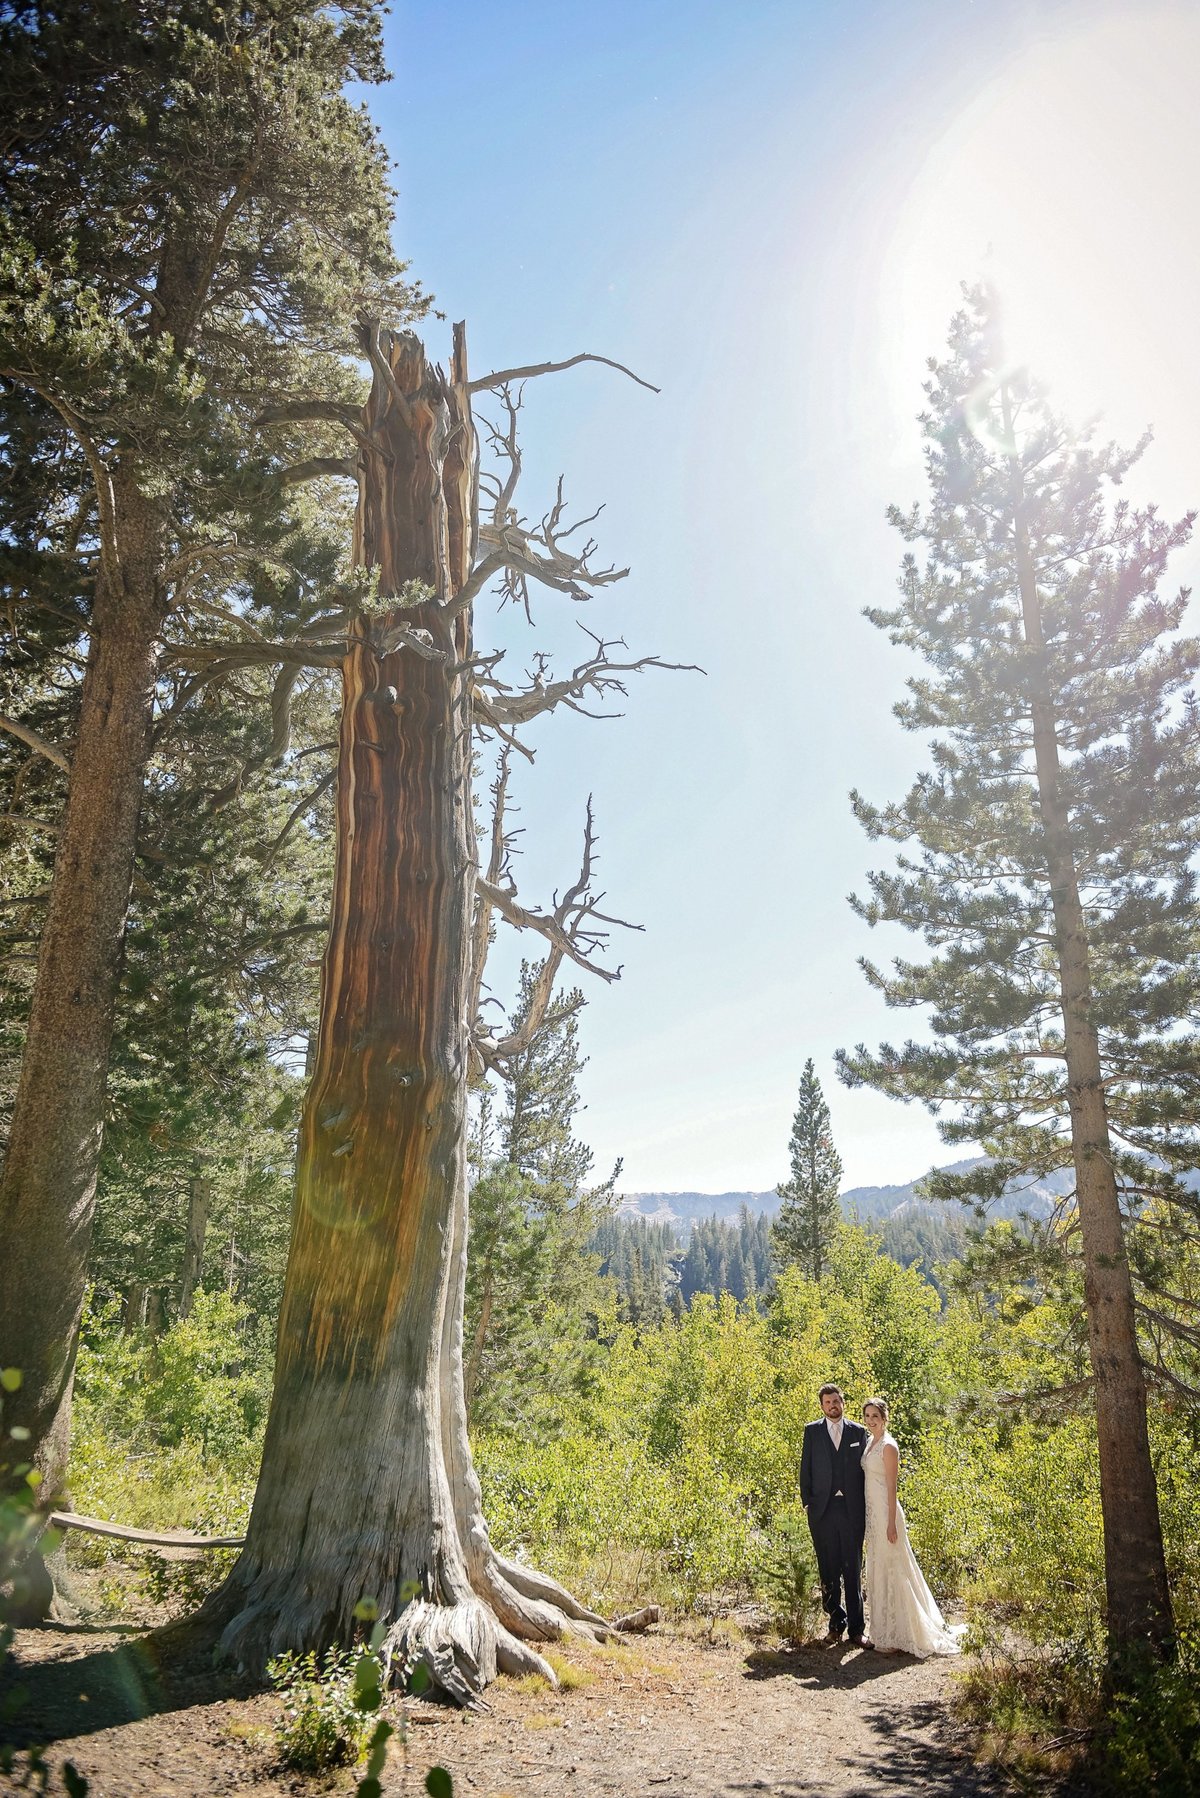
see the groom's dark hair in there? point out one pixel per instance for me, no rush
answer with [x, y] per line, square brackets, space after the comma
[826, 1389]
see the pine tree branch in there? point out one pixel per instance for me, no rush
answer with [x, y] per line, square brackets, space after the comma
[34, 740]
[310, 411]
[227, 656]
[110, 557]
[297, 812]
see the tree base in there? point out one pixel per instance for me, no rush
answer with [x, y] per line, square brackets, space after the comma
[463, 1641]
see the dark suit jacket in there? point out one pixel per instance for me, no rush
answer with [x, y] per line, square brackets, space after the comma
[817, 1461]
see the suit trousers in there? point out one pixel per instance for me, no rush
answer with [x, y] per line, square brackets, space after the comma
[839, 1549]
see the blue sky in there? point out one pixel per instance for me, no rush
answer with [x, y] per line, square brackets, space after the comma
[766, 208]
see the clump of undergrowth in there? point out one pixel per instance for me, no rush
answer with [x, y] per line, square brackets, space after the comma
[1061, 1711]
[325, 1722]
[785, 1576]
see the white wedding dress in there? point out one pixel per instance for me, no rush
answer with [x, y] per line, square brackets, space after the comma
[904, 1614]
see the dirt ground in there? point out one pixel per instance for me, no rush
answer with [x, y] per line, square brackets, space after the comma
[666, 1713]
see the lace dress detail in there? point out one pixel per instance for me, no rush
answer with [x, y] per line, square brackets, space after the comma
[903, 1612]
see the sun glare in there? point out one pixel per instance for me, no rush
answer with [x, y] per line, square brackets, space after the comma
[1067, 183]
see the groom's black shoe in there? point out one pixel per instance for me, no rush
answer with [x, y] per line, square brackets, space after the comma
[831, 1640]
[862, 1642]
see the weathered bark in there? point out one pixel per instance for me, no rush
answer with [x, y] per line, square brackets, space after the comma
[48, 1186]
[367, 1489]
[1136, 1585]
[199, 1199]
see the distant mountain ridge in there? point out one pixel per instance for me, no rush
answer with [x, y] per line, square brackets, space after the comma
[869, 1204]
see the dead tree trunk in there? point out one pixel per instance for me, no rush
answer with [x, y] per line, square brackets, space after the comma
[367, 1488]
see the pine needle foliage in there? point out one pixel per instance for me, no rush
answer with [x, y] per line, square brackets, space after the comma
[810, 1213]
[1053, 876]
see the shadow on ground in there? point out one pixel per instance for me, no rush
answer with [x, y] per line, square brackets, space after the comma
[819, 1666]
[907, 1747]
[49, 1700]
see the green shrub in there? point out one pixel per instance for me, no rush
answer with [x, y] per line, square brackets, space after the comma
[1150, 1740]
[786, 1577]
[329, 1706]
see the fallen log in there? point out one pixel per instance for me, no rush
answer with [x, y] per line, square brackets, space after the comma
[97, 1526]
[638, 1620]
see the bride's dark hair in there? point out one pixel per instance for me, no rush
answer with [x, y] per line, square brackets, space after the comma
[880, 1405]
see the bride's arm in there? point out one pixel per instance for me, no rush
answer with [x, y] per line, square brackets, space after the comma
[891, 1473]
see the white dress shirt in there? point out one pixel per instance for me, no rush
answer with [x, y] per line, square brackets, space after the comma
[834, 1426]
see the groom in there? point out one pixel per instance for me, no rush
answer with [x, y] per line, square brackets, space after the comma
[833, 1494]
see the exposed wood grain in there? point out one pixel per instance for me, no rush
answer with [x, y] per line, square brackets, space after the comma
[99, 1526]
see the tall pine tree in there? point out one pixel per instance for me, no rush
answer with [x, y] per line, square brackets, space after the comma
[810, 1213]
[1053, 881]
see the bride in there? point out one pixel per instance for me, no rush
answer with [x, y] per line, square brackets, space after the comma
[904, 1615]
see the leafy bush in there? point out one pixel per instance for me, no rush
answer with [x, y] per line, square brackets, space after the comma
[1150, 1741]
[183, 1585]
[329, 1704]
[168, 1434]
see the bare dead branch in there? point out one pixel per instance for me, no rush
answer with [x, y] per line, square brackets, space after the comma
[516, 1042]
[96, 1526]
[502, 376]
[473, 586]
[486, 719]
[573, 925]
[402, 636]
[534, 554]
[506, 445]
[599, 675]
[34, 740]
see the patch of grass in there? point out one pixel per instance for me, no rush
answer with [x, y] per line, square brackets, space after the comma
[525, 1683]
[542, 1720]
[570, 1676]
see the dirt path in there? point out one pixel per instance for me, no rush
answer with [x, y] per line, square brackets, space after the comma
[666, 1714]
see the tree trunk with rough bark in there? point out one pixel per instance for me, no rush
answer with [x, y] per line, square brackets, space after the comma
[367, 1488]
[1138, 1593]
[48, 1185]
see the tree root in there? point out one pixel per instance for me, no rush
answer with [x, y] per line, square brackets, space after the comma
[462, 1638]
[528, 1615]
[532, 1584]
[462, 1647]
